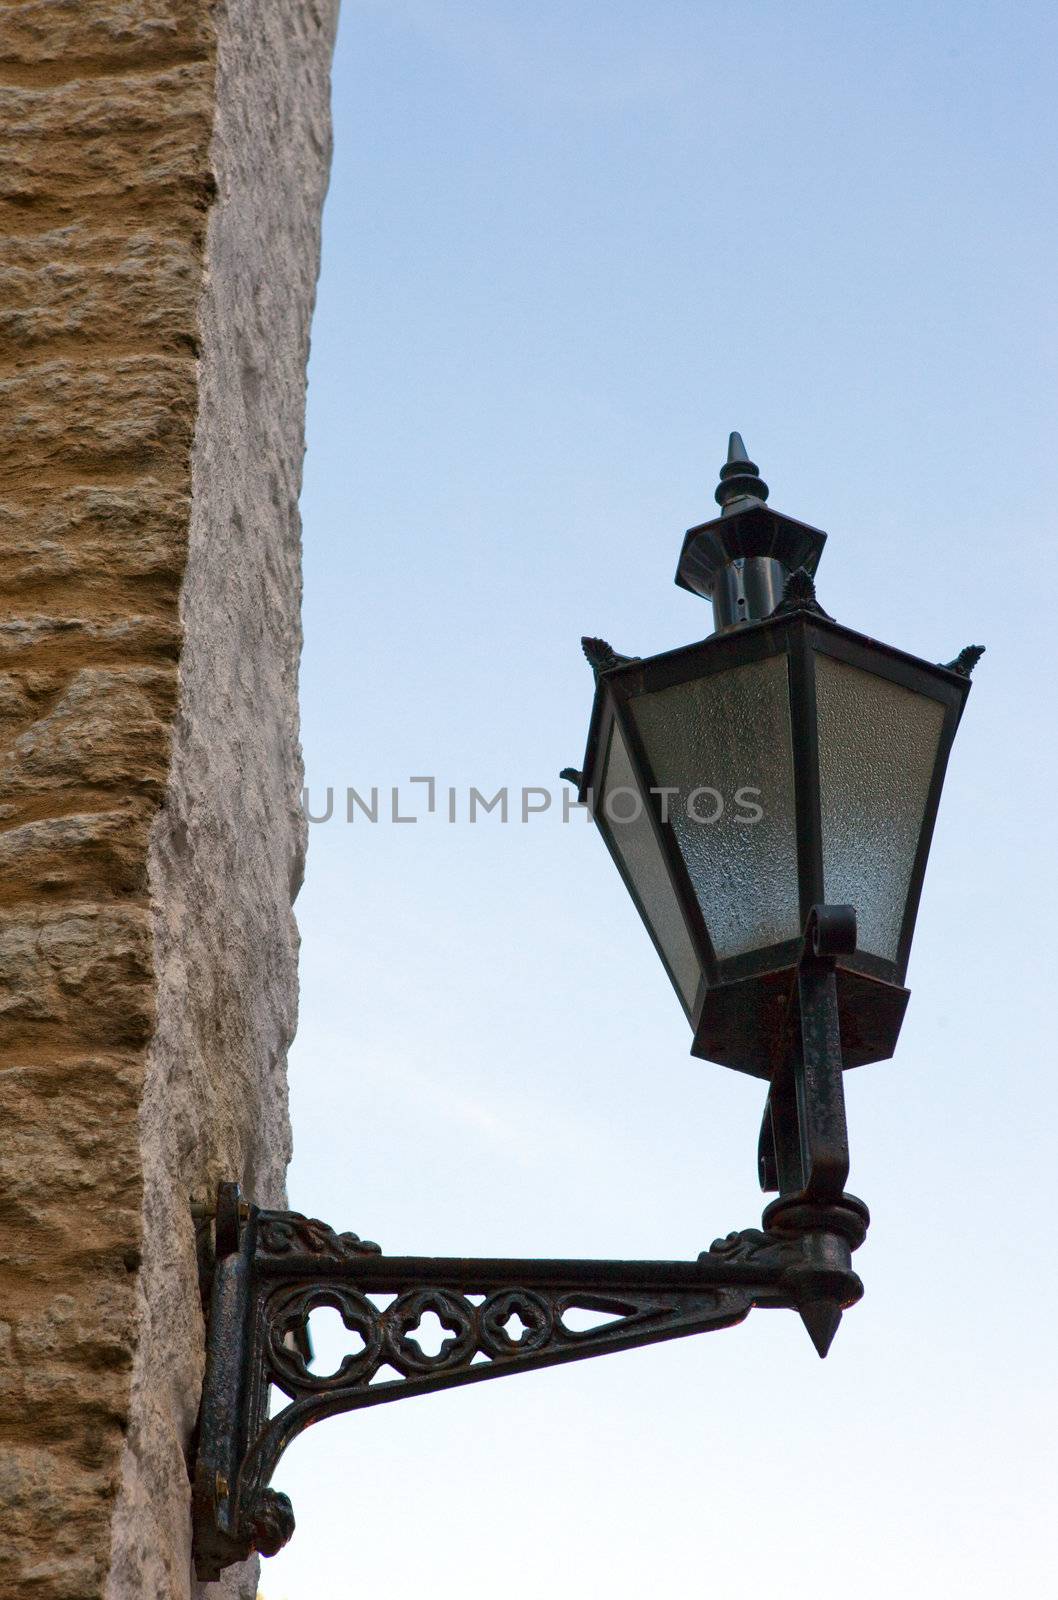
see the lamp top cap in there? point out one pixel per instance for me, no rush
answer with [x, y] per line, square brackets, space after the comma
[746, 529]
[740, 478]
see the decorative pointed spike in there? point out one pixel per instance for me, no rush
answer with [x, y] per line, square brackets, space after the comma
[740, 477]
[822, 1318]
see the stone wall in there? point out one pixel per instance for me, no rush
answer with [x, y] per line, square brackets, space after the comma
[162, 172]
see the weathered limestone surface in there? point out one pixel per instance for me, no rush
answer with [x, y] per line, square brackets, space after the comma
[162, 165]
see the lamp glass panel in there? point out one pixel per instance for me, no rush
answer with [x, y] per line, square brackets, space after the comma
[723, 743]
[621, 812]
[878, 745]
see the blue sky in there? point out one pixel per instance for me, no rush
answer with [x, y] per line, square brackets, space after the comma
[567, 248]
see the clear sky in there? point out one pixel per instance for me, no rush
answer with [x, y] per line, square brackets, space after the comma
[567, 248]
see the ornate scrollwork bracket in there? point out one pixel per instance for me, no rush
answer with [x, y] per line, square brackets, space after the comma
[274, 1268]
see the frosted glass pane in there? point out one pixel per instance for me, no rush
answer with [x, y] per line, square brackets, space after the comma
[622, 813]
[877, 750]
[729, 734]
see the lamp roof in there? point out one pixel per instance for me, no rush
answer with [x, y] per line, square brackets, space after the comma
[746, 527]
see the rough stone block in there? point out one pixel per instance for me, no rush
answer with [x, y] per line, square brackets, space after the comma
[162, 167]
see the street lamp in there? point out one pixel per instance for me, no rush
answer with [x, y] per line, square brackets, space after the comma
[768, 796]
[784, 762]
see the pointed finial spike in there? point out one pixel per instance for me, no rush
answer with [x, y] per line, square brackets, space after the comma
[822, 1318]
[740, 478]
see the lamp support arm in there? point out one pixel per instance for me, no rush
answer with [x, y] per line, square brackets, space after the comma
[273, 1268]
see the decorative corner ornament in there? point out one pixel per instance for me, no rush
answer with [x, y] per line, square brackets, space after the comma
[602, 657]
[571, 775]
[966, 660]
[799, 594]
[748, 1245]
[285, 1233]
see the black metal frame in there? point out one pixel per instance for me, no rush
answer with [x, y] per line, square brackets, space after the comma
[272, 1269]
[739, 1002]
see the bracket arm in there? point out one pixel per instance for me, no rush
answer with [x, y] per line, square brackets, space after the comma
[500, 1316]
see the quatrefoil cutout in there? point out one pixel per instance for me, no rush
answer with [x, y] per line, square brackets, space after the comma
[515, 1322]
[406, 1339]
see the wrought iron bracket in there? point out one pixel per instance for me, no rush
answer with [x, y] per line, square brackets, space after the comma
[272, 1269]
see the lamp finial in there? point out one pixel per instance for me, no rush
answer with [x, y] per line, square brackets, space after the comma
[740, 477]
